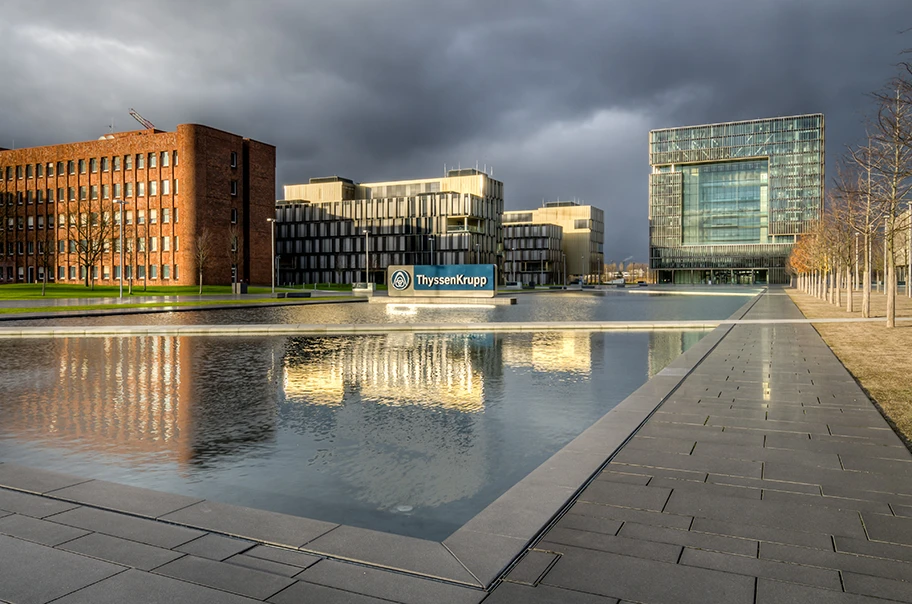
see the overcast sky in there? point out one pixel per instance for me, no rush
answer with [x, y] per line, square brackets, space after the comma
[558, 96]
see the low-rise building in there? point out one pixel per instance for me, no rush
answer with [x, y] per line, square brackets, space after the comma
[533, 253]
[329, 228]
[582, 239]
[62, 208]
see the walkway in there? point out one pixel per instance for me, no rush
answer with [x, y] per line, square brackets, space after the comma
[766, 476]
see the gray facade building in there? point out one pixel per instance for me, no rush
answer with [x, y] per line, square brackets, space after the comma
[727, 201]
[323, 227]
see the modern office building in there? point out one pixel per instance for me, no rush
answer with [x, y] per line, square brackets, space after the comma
[324, 226]
[726, 201]
[582, 242]
[533, 253]
[61, 208]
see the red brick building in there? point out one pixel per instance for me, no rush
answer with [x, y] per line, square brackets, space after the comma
[58, 210]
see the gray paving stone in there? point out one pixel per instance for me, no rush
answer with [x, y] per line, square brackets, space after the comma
[734, 545]
[114, 524]
[39, 531]
[33, 574]
[759, 483]
[831, 490]
[754, 567]
[301, 593]
[226, 577]
[140, 587]
[626, 495]
[823, 444]
[121, 551]
[707, 488]
[260, 525]
[875, 549]
[531, 567]
[841, 503]
[776, 592]
[398, 552]
[485, 555]
[716, 465]
[614, 476]
[667, 444]
[651, 550]
[31, 505]
[215, 547]
[879, 587]
[641, 580]
[124, 498]
[283, 556]
[880, 527]
[889, 569]
[613, 512]
[34, 480]
[762, 533]
[266, 566]
[697, 476]
[808, 458]
[894, 467]
[387, 585]
[511, 593]
[789, 516]
[606, 526]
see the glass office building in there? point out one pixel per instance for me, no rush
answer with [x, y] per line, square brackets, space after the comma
[726, 201]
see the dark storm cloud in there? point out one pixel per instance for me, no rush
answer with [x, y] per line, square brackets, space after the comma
[557, 95]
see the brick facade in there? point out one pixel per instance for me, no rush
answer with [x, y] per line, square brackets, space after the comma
[175, 185]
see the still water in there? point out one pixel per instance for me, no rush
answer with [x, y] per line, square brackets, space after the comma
[407, 433]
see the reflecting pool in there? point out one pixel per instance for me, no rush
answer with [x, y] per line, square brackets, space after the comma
[407, 433]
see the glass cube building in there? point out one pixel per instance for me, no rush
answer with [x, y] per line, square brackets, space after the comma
[727, 201]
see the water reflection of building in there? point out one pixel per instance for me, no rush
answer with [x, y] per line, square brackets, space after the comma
[161, 398]
[564, 351]
[666, 346]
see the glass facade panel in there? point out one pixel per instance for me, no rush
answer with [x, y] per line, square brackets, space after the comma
[725, 202]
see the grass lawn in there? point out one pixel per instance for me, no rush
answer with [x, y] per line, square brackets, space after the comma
[30, 291]
[878, 357]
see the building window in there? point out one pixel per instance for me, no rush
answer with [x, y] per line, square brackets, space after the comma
[234, 187]
[117, 272]
[166, 271]
[175, 215]
[105, 164]
[9, 173]
[93, 165]
[50, 169]
[153, 160]
[94, 191]
[140, 189]
[61, 246]
[61, 220]
[61, 273]
[153, 216]
[31, 223]
[71, 167]
[128, 162]
[153, 271]
[118, 189]
[29, 171]
[39, 170]
[176, 243]
[141, 244]
[166, 244]
[129, 217]
[174, 155]
[41, 222]
[20, 248]
[105, 191]
[176, 277]
[175, 186]
[128, 189]
[31, 248]
[166, 215]
[18, 171]
[117, 163]
[234, 159]
[83, 193]
[28, 197]
[140, 217]
[71, 194]
[82, 166]
[153, 244]
[233, 216]
[60, 168]
[72, 272]
[166, 187]
[140, 161]
[166, 159]
[153, 188]
[141, 271]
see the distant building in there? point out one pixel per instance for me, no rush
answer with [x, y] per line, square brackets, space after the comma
[175, 186]
[321, 225]
[582, 241]
[726, 201]
[533, 253]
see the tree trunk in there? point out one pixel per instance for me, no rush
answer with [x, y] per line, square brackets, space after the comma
[201, 283]
[837, 290]
[890, 284]
[849, 293]
[866, 284]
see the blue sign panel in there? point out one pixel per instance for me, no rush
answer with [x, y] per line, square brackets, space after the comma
[454, 277]
[443, 280]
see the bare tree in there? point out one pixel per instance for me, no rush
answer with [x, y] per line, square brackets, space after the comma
[46, 253]
[92, 230]
[202, 250]
[234, 253]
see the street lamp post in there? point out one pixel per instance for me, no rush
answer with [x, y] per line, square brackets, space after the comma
[366, 256]
[431, 239]
[513, 261]
[271, 222]
[476, 255]
[121, 203]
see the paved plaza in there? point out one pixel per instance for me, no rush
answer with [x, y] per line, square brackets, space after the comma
[765, 476]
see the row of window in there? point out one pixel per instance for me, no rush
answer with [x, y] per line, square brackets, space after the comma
[62, 221]
[168, 271]
[105, 163]
[92, 192]
[73, 246]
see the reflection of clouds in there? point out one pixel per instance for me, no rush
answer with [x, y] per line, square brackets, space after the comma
[563, 351]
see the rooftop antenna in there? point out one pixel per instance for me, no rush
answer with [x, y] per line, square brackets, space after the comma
[112, 125]
[444, 168]
[146, 123]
